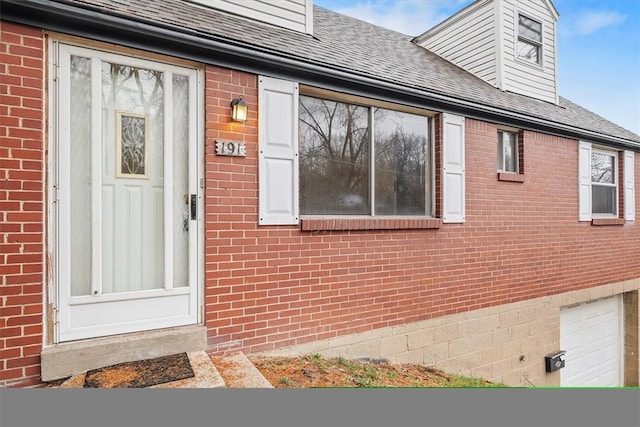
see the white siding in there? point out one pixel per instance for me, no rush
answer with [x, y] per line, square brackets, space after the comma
[482, 37]
[519, 76]
[293, 14]
[467, 40]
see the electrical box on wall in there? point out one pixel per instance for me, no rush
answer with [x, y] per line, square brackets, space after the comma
[554, 361]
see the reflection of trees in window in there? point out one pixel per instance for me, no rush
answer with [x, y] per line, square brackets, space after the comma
[335, 171]
[130, 92]
[137, 83]
[601, 167]
[400, 153]
[529, 39]
[334, 157]
[603, 185]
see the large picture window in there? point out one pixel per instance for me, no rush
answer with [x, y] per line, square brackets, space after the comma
[363, 160]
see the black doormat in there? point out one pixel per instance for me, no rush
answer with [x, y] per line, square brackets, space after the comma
[141, 373]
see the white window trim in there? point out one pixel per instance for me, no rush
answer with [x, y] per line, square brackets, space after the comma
[370, 104]
[516, 35]
[585, 202]
[616, 183]
[516, 135]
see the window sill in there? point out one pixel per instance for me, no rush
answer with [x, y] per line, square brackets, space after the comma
[510, 176]
[368, 223]
[607, 221]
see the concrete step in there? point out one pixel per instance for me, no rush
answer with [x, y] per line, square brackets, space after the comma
[205, 375]
[238, 372]
[233, 371]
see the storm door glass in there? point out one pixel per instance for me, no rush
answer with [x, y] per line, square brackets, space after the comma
[130, 169]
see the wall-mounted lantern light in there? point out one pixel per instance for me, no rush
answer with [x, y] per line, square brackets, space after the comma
[239, 110]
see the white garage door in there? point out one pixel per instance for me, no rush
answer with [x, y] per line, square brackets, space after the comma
[591, 334]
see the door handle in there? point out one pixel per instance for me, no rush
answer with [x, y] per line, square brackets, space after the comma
[194, 206]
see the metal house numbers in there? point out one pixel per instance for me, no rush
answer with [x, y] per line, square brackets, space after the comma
[231, 148]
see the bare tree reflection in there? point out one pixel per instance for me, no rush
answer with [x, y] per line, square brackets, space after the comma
[335, 150]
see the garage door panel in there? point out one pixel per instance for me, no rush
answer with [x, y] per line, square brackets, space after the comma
[591, 334]
[610, 328]
[592, 360]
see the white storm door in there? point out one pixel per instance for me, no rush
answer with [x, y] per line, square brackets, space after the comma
[128, 201]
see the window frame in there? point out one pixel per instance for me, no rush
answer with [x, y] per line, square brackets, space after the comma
[371, 104]
[521, 38]
[516, 154]
[615, 185]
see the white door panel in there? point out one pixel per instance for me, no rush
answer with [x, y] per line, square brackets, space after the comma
[133, 315]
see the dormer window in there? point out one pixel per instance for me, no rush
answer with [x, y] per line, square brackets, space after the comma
[529, 40]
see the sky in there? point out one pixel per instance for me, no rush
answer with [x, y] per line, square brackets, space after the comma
[598, 46]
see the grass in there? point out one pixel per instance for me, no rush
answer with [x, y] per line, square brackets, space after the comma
[313, 370]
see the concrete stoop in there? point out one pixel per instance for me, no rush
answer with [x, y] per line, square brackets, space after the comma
[237, 368]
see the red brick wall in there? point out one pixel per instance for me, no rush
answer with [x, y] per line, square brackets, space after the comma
[274, 286]
[22, 168]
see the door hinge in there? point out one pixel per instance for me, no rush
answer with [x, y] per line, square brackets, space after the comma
[55, 50]
[201, 182]
[56, 316]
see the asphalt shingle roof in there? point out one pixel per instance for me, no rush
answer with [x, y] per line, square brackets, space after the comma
[343, 43]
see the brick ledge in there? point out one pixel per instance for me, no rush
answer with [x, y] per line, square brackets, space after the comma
[607, 221]
[368, 223]
[510, 177]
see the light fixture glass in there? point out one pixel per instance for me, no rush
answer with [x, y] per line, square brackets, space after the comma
[239, 110]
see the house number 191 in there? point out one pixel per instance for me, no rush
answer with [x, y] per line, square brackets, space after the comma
[230, 148]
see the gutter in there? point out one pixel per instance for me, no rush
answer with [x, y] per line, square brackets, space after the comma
[99, 24]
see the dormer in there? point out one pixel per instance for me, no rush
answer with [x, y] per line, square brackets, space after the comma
[511, 44]
[295, 15]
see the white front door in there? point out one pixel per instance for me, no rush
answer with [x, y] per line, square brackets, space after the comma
[127, 205]
[591, 334]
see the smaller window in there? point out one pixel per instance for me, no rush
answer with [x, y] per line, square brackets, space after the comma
[604, 186]
[529, 40]
[507, 151]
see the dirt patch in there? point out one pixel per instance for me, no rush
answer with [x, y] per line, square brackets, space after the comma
[315, 371]
[142, 373]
